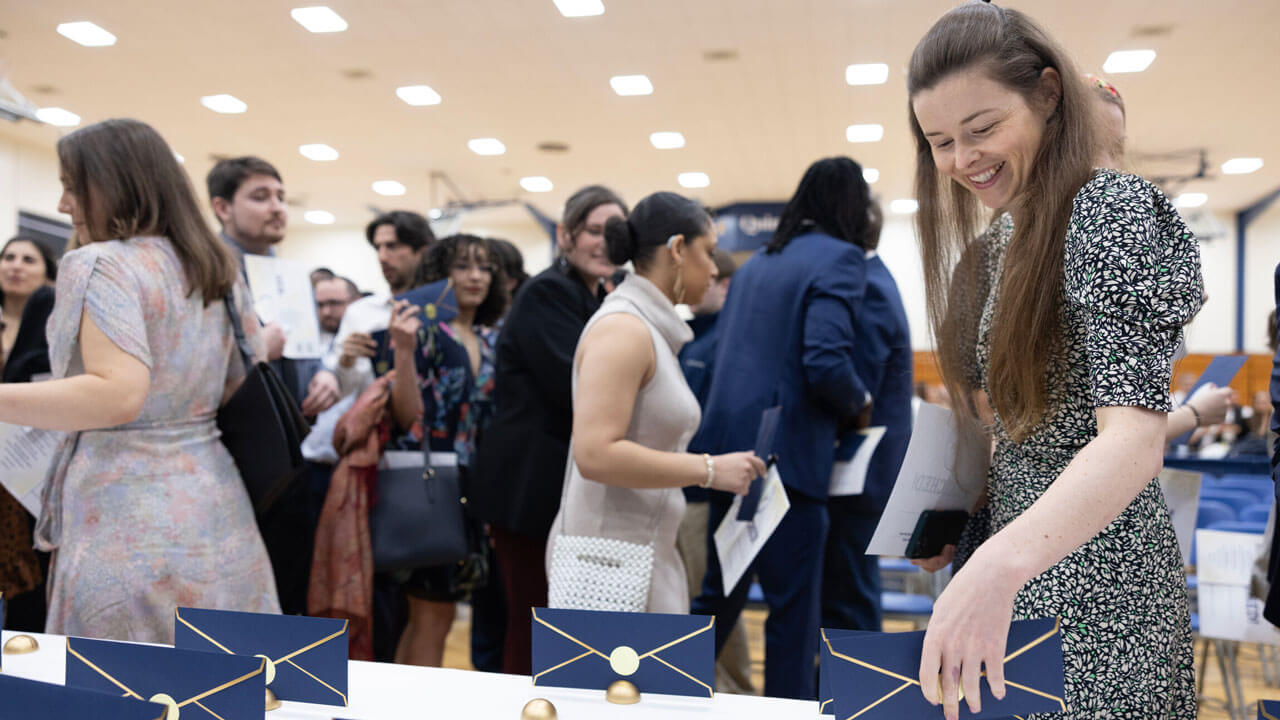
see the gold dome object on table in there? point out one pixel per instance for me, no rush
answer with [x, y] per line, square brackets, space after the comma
[622, 692]
[538, 709]
[21, 645]
[273, 702]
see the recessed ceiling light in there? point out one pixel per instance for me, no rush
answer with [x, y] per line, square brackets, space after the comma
[864, 133]
[693, 180]
[1129, 61]
[434, 213]
[1241, 166]
[318, 152]
[486, 146]
[87, 34]
[1190, 200]
[390, 188]
[225, 104]
[319, 19]
[536, 183]
[579, 8]
[667, 140]
[903, 206]
[631, 85]
[869, 74]
[318, 217]
[58, 116]
[871, 175]
[418, 95]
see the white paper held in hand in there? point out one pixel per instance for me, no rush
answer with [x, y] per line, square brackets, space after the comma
[945, 469]
[738, 542]
[849, 477]
[282, 294]
[25, 456]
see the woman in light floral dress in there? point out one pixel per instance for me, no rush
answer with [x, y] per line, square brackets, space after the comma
[145, 510]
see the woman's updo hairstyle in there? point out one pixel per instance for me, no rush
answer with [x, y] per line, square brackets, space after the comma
[653, 221]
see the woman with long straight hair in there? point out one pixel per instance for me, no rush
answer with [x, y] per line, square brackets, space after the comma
[145, 510]
[1067, 314]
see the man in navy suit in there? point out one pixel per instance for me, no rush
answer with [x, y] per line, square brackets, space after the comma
[1272, 609]
[883, 359]
[787, 338]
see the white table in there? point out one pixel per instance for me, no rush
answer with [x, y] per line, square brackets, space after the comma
[380, 691]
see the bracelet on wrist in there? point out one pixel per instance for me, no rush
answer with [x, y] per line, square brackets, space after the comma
[711, 470]
[1192, 408]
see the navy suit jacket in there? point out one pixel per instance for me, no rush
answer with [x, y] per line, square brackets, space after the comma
[1272, 609]
[883, 359]
[697, 359]
[787, 337]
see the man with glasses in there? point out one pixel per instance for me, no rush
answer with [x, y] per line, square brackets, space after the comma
[332, 297]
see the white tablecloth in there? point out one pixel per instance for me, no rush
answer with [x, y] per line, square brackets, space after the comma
[379, 691]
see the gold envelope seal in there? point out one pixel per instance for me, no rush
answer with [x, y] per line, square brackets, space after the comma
[178, 704]
[288, 658]
[908, 682]
[608, 657]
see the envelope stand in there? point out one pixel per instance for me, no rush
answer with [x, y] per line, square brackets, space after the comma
[622, 692]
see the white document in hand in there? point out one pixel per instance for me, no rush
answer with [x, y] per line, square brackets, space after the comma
[25, 456]
[945, 469]
[849, 477]
[1182, 494]
[738, 542]
[282, 294]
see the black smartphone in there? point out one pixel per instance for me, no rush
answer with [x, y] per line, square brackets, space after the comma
[934, 530]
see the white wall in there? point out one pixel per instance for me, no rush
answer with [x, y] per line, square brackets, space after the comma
[28, 181]
[1261, 255]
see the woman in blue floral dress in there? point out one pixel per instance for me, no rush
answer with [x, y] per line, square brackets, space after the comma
[452, 397]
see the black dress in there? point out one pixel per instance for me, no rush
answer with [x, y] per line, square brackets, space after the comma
[1131, 279]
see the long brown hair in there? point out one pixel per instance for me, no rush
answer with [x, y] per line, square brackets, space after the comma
[128, 183]
[1026, 328]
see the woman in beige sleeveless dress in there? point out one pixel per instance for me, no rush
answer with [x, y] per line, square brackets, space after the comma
[633, 412]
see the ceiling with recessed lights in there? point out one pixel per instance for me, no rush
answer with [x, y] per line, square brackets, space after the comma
[729, 98]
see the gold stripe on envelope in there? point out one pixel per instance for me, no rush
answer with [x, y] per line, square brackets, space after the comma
[103, 673]
[908, 682]
[283, 659]
[1263, 712]
[262, 668]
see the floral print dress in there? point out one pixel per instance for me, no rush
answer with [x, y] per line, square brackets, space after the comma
[457, 403]
[151, 515]
[1131, 279]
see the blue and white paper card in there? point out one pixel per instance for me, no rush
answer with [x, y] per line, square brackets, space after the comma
[308, 656]
[200, 685]
[589, 649]
[27, 699]
[764, 449]
[876, 676]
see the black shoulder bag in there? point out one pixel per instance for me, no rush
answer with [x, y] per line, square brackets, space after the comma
[262, 427]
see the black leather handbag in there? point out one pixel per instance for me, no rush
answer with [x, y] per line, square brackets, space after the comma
[262, 427]
[418, 520]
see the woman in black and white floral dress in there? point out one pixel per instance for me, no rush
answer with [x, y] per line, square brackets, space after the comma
[1069, 308]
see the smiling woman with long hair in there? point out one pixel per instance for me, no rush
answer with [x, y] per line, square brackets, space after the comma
[1067, 313]
[145, 510]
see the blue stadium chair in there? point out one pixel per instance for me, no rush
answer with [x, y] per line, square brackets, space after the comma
[1259, 485]
[907, 606]
[1256, 513]
[1236, 498]
[1213, 511]
[1240, 526]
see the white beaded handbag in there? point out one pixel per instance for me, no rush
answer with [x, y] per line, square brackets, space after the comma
[594, 573]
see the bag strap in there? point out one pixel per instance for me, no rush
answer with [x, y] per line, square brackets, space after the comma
[242, 342]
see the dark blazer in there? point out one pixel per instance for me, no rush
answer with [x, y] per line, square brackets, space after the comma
[884, 361]
[697, 359]
[1272, 608]
[29, 355]
[787, 337]
[520, 459]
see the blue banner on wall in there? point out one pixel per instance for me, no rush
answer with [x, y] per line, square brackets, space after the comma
[747, 226]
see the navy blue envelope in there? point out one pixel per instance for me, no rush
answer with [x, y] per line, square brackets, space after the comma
[438, 305]
[308, 656]
[26, 699]
[1221, 371]
[764, 449]
[201, 685]
[876, 675]
[589, 649]
[826, 699]
[1269, 710]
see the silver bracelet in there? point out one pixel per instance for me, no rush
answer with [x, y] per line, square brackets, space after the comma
[711, 470]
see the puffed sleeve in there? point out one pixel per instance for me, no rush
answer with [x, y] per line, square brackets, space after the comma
[1132, 276]
[97, 280]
